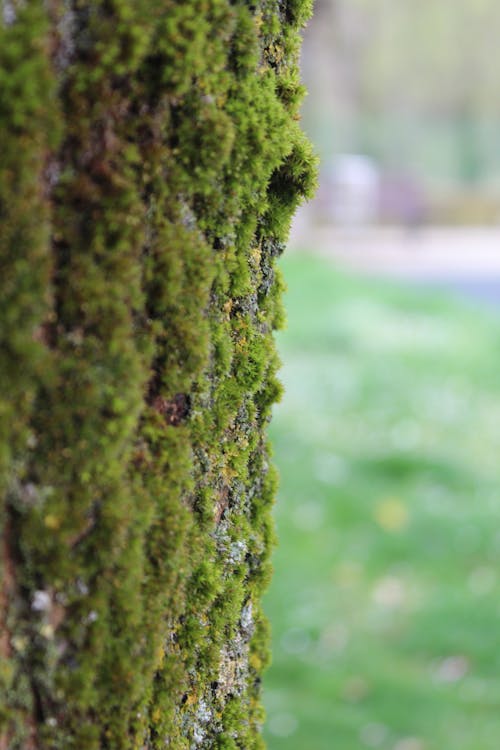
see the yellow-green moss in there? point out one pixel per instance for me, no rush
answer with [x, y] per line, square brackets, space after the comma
[154, 162]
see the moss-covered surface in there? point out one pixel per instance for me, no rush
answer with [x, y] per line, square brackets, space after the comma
[151, 161]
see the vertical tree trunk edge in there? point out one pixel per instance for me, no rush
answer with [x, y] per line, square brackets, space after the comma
[151, 162]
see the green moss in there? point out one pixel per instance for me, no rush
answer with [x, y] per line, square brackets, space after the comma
[141, 300]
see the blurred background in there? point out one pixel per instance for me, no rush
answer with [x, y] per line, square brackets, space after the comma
[403, 107]
[385, 604]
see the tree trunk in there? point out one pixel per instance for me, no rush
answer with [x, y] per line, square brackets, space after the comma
[150, 162]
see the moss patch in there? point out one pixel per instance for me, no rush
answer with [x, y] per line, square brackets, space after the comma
[153, 163]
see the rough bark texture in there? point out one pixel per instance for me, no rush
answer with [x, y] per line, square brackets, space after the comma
[150, 162]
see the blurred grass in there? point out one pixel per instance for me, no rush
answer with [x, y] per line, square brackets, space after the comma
[385, 604]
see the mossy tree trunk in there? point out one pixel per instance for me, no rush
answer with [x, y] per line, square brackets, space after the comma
[150, 162]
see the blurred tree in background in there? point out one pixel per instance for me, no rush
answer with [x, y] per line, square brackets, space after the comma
[151, 160]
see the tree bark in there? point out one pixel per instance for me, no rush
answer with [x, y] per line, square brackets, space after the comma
[151, 161]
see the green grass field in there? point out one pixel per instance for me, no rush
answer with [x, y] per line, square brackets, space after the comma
[385, 604]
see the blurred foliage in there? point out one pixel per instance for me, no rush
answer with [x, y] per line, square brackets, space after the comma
[422, 56]
[385, 599]
[398, 80]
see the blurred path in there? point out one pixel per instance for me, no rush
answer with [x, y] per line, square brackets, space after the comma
[465, 259]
